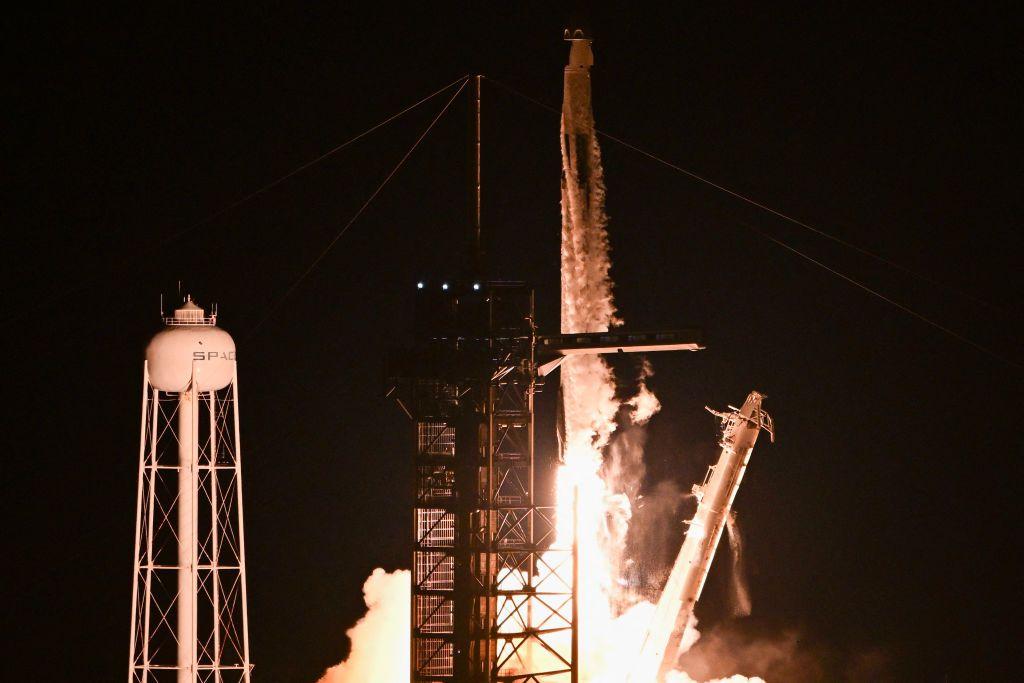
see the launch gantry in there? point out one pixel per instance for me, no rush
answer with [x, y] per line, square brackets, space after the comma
[492, 594]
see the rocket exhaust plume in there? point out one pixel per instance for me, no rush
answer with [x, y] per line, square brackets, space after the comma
[588, 397]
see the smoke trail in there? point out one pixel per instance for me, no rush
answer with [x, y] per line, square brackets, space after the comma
[589, 405]
[740, 590]
[587, 304]
[609, 611]
[380, 640]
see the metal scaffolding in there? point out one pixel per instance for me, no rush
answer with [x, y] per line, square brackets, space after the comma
[492, 593]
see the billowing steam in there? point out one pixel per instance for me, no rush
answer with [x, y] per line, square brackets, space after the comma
[380, 640]
[644, 404]
[726, 649]
[683, 677]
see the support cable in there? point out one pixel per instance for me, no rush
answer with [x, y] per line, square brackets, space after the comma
[252, 195]
[892, 302]
[313, 162]
[764, 207]
[752, 202]
[312, 266]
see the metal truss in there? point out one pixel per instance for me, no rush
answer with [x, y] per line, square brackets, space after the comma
[195, 574]
[492, 595]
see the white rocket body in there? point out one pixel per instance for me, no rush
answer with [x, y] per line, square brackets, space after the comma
[661, 646]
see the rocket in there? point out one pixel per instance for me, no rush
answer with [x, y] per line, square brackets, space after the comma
[661, 646]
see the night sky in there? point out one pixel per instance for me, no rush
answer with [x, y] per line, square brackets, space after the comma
[882, 525]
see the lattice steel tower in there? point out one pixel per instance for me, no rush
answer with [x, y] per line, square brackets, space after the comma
[189, 614]
[491, 595]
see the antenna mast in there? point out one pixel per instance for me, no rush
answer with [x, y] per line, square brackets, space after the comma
[476, 185]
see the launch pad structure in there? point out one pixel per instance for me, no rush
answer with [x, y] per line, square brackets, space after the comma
[493, 594]
[479, 539]
[491, 590]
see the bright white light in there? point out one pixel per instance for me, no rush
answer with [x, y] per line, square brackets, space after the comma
[419, 285]
[476, 286]
[445, 286]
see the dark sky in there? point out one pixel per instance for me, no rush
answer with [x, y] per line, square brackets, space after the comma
[885, 519]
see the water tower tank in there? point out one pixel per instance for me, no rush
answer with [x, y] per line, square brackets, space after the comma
[190, 341]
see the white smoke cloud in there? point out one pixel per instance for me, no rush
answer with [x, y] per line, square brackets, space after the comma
[589, 403]
[644, 404]
[587, 304]
[380, 640]
[623, 471]
[727, 649]
[690, 637]
[683, 677]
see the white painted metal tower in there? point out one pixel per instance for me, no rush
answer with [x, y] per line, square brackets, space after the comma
[189, 612]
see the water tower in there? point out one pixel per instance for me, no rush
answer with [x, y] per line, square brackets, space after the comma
[189, 614]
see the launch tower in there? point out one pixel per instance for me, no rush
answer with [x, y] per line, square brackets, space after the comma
[483, 568]
[492, 594]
